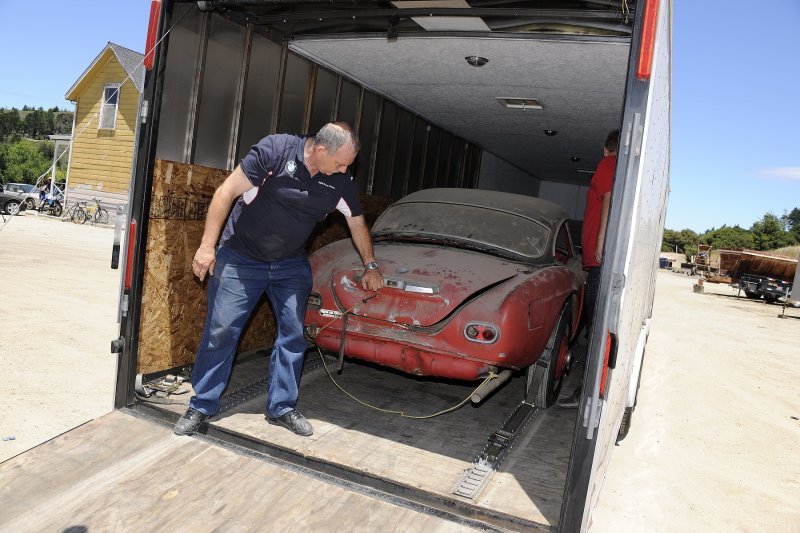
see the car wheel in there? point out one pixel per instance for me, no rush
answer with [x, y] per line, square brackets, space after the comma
[30, 204]
[12, 207]
[545, 376]
[770, 298]
[752, 295]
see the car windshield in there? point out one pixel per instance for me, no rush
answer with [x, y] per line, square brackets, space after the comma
[24, 187]
[467, 224]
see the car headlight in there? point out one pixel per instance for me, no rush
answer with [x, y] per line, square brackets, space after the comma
[481, 332]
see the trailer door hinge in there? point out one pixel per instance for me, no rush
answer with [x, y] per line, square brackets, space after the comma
[587, 413]
[143, 112]
[123, 305]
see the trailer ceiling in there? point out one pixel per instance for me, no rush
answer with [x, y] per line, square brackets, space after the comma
[571, 56]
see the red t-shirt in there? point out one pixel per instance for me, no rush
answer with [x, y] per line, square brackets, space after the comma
[602, 183]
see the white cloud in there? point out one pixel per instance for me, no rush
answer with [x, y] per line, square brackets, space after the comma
[780, 174]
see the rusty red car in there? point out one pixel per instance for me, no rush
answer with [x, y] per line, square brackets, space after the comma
[476, 282]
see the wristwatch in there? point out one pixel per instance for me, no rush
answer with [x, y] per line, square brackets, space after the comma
[371, 266]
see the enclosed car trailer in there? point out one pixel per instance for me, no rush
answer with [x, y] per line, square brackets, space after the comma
[502, 95]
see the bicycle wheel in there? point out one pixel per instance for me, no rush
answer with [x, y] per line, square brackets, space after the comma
[79, 216]
[101, 216]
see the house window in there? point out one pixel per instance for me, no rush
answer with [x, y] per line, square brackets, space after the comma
[108, 109]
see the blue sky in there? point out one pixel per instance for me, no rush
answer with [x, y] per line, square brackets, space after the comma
[735, 123]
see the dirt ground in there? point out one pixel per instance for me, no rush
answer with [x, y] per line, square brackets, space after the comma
[58, 315]
[714, 441]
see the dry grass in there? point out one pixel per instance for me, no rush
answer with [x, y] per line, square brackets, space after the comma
[789, 251]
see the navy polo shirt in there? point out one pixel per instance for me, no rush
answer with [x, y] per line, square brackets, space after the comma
[273, 220]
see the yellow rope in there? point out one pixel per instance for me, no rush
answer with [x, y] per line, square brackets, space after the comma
[491, 376]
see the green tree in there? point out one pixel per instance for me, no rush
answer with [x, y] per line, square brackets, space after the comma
[792, 219]
[35, 124]
[769, 233]
[9, 123]
[685, 240]
[22, 162]
[729, 238]
[62, 123]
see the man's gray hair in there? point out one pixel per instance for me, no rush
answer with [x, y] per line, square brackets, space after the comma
[334, 135]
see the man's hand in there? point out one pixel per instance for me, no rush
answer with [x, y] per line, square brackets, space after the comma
[204, 260]
[372, 280]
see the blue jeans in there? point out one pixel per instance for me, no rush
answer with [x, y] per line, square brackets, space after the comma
[233, 292]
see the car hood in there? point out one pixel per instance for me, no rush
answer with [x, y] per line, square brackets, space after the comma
[424, 284]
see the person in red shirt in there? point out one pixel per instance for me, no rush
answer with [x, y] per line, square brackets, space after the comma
[593, 236]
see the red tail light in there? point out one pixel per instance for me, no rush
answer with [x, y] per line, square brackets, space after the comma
[611, 347]
[648, 41]
[479, 332]
[152, 30]
[129, 256]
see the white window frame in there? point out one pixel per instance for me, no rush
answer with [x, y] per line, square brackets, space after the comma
[104, 107]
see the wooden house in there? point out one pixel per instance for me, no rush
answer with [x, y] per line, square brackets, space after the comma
[106, 98]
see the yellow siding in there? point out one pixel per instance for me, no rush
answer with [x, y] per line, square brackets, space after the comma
[101, 159]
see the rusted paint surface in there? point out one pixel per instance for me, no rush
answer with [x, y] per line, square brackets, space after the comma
[735, 263]
[422, 333]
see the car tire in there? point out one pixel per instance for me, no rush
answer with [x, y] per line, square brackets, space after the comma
[545, 377]
[770, 298]
[625, 425]
[30, 204]
[752, 295]
[12, 207]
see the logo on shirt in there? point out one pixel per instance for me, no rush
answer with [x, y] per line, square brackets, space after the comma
[327, 185]
[291, 166]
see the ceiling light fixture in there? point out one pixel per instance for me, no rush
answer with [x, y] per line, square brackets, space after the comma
[550, 133]
[476, 61]
[519, 103]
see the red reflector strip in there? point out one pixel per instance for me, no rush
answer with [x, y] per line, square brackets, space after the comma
[152, 28]
[648, 41]
[606, 357]
[129, 255]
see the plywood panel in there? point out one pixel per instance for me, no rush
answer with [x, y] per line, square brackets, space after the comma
[174, 301]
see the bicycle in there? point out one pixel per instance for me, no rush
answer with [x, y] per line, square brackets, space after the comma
[94, 212]
[68, 211]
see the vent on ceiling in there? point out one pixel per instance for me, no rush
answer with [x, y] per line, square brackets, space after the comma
[519, 103]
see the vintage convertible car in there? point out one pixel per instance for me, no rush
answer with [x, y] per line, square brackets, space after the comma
[476, 281]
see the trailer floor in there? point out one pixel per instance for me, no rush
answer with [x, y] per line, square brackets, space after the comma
[427, 455]
[122, 473]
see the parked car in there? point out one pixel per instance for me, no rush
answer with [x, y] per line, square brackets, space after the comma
[30, 193]
[476, 282]
[11, 202]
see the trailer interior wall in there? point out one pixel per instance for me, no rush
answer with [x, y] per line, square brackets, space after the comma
[227, 86]
[499, 175]
[571, 197]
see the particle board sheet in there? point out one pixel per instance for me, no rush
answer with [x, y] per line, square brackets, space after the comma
[173, 300]
[427, 454]
[119, 472]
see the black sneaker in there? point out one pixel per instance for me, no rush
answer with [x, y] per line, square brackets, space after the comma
[572, 401]
[189, 422]
[294, 422]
